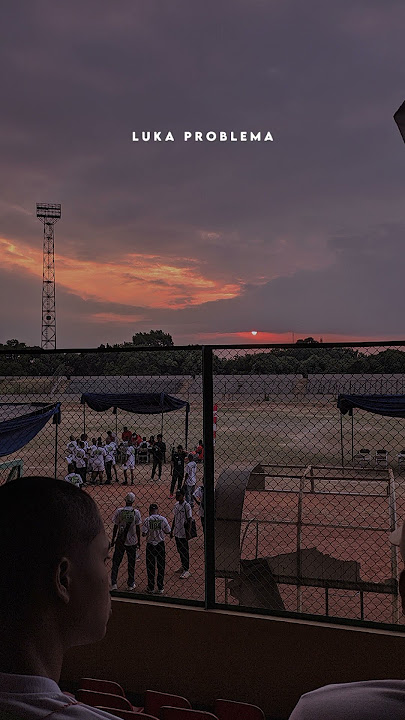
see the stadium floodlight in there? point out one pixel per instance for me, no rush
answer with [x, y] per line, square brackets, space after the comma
[48, 211]
[48, 214]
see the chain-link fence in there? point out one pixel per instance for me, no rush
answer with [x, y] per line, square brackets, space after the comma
[299, 494]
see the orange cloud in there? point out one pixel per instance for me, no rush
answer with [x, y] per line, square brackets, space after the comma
[134, 279]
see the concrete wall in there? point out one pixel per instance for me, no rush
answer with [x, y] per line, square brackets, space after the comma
[209, 654]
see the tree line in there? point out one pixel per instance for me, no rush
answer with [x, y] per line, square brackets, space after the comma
[306, 357]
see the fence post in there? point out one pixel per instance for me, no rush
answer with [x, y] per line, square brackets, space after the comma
[209, 479]
[56, 449]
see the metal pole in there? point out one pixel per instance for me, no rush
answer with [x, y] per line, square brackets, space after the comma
[257, 539]
[299, 533]
[352, 439]
[341, 440]
[209, 477]
[161, 425]
[393, 522]
[84, 418]
[56, 448]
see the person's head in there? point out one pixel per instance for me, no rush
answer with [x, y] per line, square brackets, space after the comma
[130, 498]
[81, 444]
[83, 437]
[72, 438]
[144, 438]
[190, 456]
[180, 448]
[71, 468]
[152, 438]
[397, 537]
[109, 433]
[180, 496]
[99, 442]
[53, 552]
[153, 508]
[93, 440]
[158, 437]
[125, 429]
[200, 442]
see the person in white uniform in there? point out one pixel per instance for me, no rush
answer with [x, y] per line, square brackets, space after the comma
[198, 496]
[126, 538]
[190, 479]
[367, 700]
[59, 576]
[180, 529]
[74, 478]
[81, 460]
[98, 462]
[129, 465]
[154, 528]
[90, 456]
[109, 460]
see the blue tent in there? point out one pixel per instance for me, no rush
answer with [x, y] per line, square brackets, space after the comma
[18, 431]
[140, 403]
[388, 405]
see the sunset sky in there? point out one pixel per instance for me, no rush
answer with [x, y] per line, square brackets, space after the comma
[206, 240]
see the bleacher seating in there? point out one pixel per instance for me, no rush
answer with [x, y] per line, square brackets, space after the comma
[128, 714]
[158, 705]
[175, 713]
[154, 700]
[105, 686]
[232, 710]
[96, 699]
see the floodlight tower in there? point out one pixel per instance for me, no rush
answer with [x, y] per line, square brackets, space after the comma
[49, 215]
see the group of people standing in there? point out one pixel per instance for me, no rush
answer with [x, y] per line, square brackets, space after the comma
[88, 461]
[126, 538]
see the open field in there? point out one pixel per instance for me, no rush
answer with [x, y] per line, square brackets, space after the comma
[286, 431]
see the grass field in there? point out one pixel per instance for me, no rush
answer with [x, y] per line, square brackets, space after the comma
[282, 431]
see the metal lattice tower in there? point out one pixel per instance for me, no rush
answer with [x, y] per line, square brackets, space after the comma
[49, 215]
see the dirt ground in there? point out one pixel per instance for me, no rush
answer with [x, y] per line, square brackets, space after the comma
[279, 431]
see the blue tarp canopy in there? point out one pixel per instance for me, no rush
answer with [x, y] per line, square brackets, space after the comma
[141, 403]
[18, 431]
[389, 405]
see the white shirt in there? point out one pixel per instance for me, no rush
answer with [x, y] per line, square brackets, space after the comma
[191, 469]
[31, 697]
[198, 494]
[132, 537]
[74, 478]
[110, 450]
[91, 450]
[155, 526]
[98, 458]
[181, 514]
[368, 700]
[80, 457]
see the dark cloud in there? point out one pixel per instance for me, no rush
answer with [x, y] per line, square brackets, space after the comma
[276, 219]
